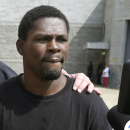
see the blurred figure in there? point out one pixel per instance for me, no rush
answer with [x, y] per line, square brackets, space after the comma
[90, 70]
[6, 72]
[99, 72]
[105, 75]
[103, 67]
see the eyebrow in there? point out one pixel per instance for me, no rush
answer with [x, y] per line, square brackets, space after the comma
[46, 35]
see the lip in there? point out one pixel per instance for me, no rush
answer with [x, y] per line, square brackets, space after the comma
[53, 60]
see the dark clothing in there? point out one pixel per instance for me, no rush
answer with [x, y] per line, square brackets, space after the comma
[99, 73]
[6, 72]
[90, 70]
[65, 110]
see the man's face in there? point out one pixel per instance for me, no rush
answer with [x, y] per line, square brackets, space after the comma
[46, 48]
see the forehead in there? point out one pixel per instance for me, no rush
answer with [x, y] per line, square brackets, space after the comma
[51, 25]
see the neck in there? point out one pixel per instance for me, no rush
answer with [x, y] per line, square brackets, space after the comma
[43, 87]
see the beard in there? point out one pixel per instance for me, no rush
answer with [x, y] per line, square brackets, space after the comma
[51, 74]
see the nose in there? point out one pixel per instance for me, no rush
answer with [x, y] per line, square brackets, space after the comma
[53, 46]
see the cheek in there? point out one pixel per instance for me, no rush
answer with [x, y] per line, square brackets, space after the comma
[36, 51]
[65, 51]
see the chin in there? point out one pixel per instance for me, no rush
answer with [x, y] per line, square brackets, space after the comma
[51, 74]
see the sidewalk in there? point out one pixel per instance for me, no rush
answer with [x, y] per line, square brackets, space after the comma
[109, 95]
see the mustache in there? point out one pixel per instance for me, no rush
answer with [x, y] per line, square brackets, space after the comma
[53, 56]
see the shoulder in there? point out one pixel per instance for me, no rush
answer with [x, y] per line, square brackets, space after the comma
[8, 92]
[2, 76]
[7, 70]
[106, 69]
[93, 100]
[92, 107]
[85, 98]
[7, 87]
[2, 65]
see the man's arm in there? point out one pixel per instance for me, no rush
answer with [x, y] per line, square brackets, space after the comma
[81, 82]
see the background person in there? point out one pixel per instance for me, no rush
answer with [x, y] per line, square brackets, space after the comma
[99, 72]
[90, 70]
[103, 67]
[105, 75]
[6, 72]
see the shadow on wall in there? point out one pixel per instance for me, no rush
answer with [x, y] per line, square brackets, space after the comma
[90, 31]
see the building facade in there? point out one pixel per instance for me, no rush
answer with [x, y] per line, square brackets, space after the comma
[117, 31]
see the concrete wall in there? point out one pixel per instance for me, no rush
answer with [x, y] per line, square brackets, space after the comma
[11, 12]
[8, 51]
[116, 16]
[86, 25]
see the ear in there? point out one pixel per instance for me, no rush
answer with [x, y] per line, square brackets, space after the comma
[20, 46]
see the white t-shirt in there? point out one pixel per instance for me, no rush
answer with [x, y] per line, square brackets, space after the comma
[106, 70]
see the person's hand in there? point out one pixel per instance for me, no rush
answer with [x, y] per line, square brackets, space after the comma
[81, 82]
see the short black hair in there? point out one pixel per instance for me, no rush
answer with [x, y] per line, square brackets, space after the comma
[36, 13]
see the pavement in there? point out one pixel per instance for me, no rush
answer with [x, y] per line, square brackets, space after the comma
[109, 95]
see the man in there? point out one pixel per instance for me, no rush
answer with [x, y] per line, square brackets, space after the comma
[42, 98]
[90, 70]
[99, 72]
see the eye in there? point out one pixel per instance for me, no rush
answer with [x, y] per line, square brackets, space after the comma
[62, 40]
[43, 39]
